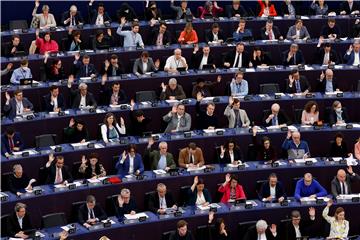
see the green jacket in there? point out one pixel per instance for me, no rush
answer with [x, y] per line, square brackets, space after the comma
[154, 157]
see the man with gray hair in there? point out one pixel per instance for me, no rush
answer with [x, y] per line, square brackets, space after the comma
[178, 120]
[352, 55]
[175, 61]
[18, 222]
[90, 213]
[81, 98]
[261, 231]
[327, 82]
[18, 182]
[72, 17]
[293, 56]
[276, 117]
[295, 147]
[172, 91]
[159, 159]
[161, 200]
[124, 204]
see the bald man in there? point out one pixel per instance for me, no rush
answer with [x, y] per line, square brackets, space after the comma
[341, 184]
[175, 61]
[276, 117]
[327, 82]
[295, 147]
[309, 187]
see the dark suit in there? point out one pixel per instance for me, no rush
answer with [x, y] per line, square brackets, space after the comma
[51, 174]
[349, 59]
[193, 196]
[335, 184]
[196, 59]
[275, 30]
[281, 116]
[154, 202]
[230, 58]
[237, 156]
[209, 36]
[47, 103]
[265, 191]
[125, 209]
[289, 232]
[5, 146]
[93, 13]
[83, 213]
[321, 86]
[304, 85]
[231, 12]
[123, 168]
[344, 6]
[78, 46]
[76, 98]
[138, 128]
[10, 110]
[77, 18]
[80, 69]
[106, 93]
[109, 72]
[16, 184]
[138, 66]
[320, 56]
[13, 226]
[333, 118]
[154, 33]
[252, 234]
[9, 47]
[298, 58]
[175, 236]
[326, 31]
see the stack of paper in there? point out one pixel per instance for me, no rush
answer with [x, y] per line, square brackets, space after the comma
[159, 171]
[303, 160]
[196, 168]
[135, 216]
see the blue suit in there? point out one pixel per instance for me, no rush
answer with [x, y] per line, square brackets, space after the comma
[5, 146]
[123, 168]
[349, 58]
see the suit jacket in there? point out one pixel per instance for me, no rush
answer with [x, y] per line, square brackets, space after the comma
[226, 190]
[321, 86]
[209, 37]
[120, 70]
[154, 202]
[275, 30]
[10, 110]
[344, 6]
[178, 93]
[299, 58]
[51, 174]
[332, 116]
[125, 209]
[76, 98]
[282, 118]
[231, 12]
[349, 59]
[92, 13]
[196, 59]
[335, 184]
[66, 15]
[5, 147]
[237, 156]
[184, 157]
[185, 122]
[230, 114]
[80, 69]
[123, 168]
[326, 31]
[47, 102]
[9, 46]
[230, 58]
[304, 85]
[106, 93]
[320, 56]
[154, 32]
[292, 31]
[83, 213]
[289, 229]
[251, 234]
[13, 226]
[265, 190]
[154, 157]
[193, 196]
[16, 184]
[138, 66]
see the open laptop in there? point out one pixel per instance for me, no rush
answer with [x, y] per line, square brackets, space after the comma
[208, 66]
[19, 54]
[26, 81]
[181, 69]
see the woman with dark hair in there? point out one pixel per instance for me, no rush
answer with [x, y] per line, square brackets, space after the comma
[339, 227]
[231, 189]
[189, 35]
[198, 194]
[130, 162]
[339, 148]
[54, 71]
[220, 232]
[101, 41]
[231, 153]
[74, 42]
[266, 8]
[76, 132]
[46, 44]
[210, 9]
[110, 130]
[321, 8]
[152, 12]
[90, 167]
[264, 151]
[260, 58]
[310, 114]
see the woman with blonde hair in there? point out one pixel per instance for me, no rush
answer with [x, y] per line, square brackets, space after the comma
[188, 35]
[339, 227]
[46, 19]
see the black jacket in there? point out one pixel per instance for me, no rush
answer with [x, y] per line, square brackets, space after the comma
[66, 15]
[109, 72]
[230, 58]
[204, 120]
[51, 174]
[47, 103]
[282, 118]
[288, 231]
[106, 94]
[83, 213]
[17, 184]
[299, 58]
[76, 98]
[125, 209]
[196, 59]
[231, 12]
[304, 85]
[344, 6]
[251, 234]
[92, 13]
[237, 156]
[13, 226]
[333, 118]
[154, 32]
[321, 86]
[138, 128]
[326, 31]
[154, 202]
[209, 37]
[265, 191]
[8, 48]
[275, 30]
[320, 56]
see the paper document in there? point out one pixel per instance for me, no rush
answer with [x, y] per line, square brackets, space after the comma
[302, 160]
[196, 168]
[135, 216]
[159, 171]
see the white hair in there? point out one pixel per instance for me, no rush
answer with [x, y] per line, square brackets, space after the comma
[164, 144]
[125, 191]
[172, 81]
[261, 224]
[81, 85]
[73, 8]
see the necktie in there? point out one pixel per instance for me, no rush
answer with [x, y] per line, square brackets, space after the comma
[326, 59]
[113, 71]
[92, 215]
[58, 178]
[11, 144]
[73, 21]
[86, 70]
[294, 58]
[343, 188]
[270, 35]
[237, 60]
[274, 120]
[297, 85]
[162, 203]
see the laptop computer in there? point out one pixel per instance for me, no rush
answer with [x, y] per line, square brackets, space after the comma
[26, 81]
[181, 69]
[19, 54]
[208, 66]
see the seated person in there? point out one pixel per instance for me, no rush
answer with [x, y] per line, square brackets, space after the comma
[111, 131]
[84, 68]
[296, 83]
[319, 8]
[22, 72]
[237, 117]
[177, 119]
[127, 12]
[338, 147]
[260, 58]
[18, 222]
[159, 36]
[131, 38]
[172, 91]
[298, 31]
[221, 231]
[205, 89]
[81, 98]
[74, 42]
[266, 8]
[46, 19]
[54, 71]
[356, 29]
[237, 58]
[46, 44]
[54, 101]
[7, 69]
[297, 227]
[264, 150]
[90, 167]
[310, 114]
[339, 226]
[188, 35]
[161, 200]
[130, 162]
[231, 153]
[98, 16]
[114, 95]
[175, 61]
[19, 182]
[198, 194]
[11, 141]
[14, 47]
[139, 122]
[330, 31]
[182, 11]
[341, 184]
[124, 204]
[191, 156]
[199, 59]
[272, 190]
[352, 55]
[349, 7]
[235, 10]
[145, 64]
[276, 117]
[242, 33]
[152, 12]
[215, 35]
[18, 105]
[72, 17]
[261, 230]
[293, 56]
[239, 86]
[57, 172]
[113, 67]
[76, 132]
[357, 149]
[182, 231]
[206, 119]
[308, 187]
[270, 32]
[90, 213]
[338, 114]
[325, 54]
[210, 9]
[295, 147]
[231, 189]
[159, 159]
[101, 41]
[327, 82]
[288, 9]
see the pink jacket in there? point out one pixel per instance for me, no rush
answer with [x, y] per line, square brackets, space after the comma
[43, 46]
[226, 190]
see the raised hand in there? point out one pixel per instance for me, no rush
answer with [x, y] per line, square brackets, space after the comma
[51, 157]
[254, 129]
[312, 212]
[227, 177]
[124, 154]
[9, 66]
[199, 97]
[109, 32]
[120, 200]
[211, 216]
[152, 22]
[157, 63]
[350, 170]
[273, 229]
[83, 159]
[150, 141]
[196, 48]
[37, 32]
[231, 100]
[322, 76]
[37, 4]
[7, 96]
[329, 203]
[288, 134]
[196, 180]
[163, 86]
[222, 149]
[122, 122]
[174, 109]
[291, 79]
[122, 21]
[77, 56]
[218, 79]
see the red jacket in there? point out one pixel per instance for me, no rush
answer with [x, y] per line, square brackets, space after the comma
[226, 190]
[43, 46]
[272, 11]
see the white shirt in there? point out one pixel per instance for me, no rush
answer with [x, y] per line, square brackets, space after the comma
[131, 164]
[20, 220]
[297, 33]
[261, 236]
[83, 101]
[231, 156]
[326, 58]
[144, 64]
[356, 59]
[99, 20]
[172, 63]
[273, 192]
[345, 186]
[89, 211]
[215, 37]
[204, 61]
[240, 60]
[200, 199]
[297, 231]
[178, 123]
[162, 203]
[54, 103]
[19, 107]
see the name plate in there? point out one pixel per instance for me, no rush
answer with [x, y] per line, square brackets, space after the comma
[355, 199]
[308, 162]
[319, 201]
[284, 203]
